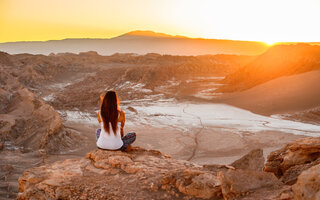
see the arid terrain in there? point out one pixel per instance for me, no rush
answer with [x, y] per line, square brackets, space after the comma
[208, 109]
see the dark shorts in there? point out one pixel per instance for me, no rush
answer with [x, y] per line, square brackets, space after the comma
[128, 139]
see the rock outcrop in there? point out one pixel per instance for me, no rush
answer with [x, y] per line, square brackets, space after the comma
[149, 174]
[248, 180]
[27, 122]
[142, 174]
[46, 130]
[308, 184]
[288, 162]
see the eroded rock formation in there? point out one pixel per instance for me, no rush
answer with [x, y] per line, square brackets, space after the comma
[288, 162]
[30, 124]
[27, 122]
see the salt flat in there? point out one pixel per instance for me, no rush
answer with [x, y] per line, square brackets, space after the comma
[186, 115]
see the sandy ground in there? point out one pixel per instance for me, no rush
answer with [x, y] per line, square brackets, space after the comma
[208, 147]
[203, 146]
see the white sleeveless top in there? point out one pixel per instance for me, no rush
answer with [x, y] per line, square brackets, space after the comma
[109, 140]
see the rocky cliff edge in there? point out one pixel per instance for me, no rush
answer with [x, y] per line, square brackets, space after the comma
[149, 174]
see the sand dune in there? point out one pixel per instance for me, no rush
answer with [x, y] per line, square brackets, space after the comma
[282, 95]
[277, 61]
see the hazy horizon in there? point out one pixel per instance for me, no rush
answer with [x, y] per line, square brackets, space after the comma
[168, 35]
[125, 33]
[264, 21]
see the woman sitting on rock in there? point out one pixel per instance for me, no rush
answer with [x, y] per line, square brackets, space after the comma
[112, 120]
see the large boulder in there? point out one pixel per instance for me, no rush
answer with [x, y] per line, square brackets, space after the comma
[288, 162]
[254, 160]
[308, 184]
[237, 183]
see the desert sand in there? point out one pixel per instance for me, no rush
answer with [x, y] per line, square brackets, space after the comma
[286, 94]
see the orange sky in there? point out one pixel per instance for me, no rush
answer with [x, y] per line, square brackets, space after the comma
[259, 20]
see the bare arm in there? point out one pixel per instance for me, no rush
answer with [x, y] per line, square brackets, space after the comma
[98, 113]
[98, 116]
[122, 120]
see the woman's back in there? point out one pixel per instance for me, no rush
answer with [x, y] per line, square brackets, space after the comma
[109, 140]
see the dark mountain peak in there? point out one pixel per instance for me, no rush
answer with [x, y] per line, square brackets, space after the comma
[146, 33]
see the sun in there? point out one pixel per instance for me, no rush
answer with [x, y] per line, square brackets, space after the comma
[270, 42]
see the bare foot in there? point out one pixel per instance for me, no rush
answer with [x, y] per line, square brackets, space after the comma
[129, 148]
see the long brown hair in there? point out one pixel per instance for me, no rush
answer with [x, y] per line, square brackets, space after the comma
[110, 111]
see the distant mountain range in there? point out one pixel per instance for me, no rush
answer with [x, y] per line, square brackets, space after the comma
[139, 42]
